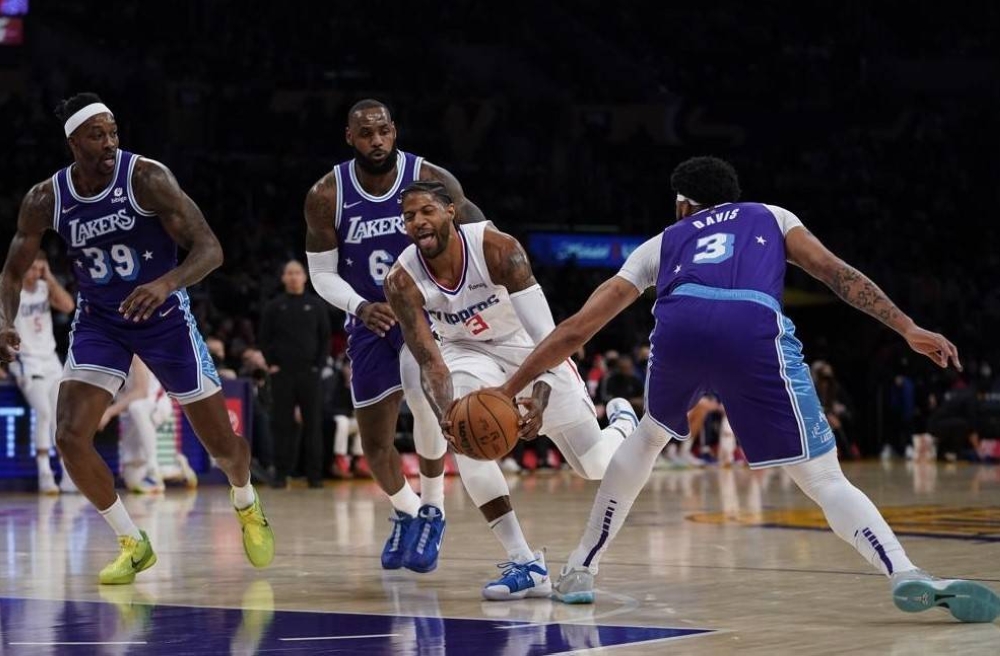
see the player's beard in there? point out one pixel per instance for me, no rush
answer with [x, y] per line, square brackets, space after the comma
[442, 243]
[376, 168]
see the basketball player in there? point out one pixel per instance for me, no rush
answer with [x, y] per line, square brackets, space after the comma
[719, 273]
[122, 217]
[37, 368]
[354, 234]
[143, 406]
[477, 287]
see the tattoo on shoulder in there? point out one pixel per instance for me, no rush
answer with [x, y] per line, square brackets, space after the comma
[515, 269]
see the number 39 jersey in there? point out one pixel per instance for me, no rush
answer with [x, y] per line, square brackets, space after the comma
[370, 232]
[114, 244]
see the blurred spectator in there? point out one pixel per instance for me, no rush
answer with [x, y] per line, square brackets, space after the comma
[836, 406]
[348, 458]
[295, 337]
[624, 382]
[217, 351]
[262, 461]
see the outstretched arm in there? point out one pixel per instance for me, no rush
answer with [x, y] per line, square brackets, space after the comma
[33, 219]
[465, 210]
[157, 191]
[607, 301]
[407, 302]
[855, 288]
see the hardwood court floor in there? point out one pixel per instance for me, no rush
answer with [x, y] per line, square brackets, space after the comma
[734, 553]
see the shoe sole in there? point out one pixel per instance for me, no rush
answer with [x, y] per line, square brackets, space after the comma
[574, 597]
[500, 595]
[966, 600]
[144, 564]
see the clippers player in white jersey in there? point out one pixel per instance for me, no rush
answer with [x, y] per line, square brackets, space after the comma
[37, 368]
[355, 234]
[476, 285]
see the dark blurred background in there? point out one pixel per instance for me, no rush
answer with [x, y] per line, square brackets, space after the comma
[876, 123]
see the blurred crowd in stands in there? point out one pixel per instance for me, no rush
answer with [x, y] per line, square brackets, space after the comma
[871, 127]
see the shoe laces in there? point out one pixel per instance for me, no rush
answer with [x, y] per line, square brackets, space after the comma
[511, 568]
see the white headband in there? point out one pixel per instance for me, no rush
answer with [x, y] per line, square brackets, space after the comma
[82, 114]
[681, 198]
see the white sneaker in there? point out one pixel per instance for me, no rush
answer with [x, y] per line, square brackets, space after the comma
[190, 477]
[510, 465]
[575, 586]
[520, 580]
[618, 408]
[67, 486]
[148, 485]
[47, 483]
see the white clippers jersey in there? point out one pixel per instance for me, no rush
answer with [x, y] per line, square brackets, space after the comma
[34, 322]
[477, 310]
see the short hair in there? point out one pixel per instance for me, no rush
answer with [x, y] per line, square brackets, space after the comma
[368, 103]
[432, 187]
[73, 104]
[706, 181]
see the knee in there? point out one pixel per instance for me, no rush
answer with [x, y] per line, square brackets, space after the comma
[71, 439]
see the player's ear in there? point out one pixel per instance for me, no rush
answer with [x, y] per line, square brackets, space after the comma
[348, 137]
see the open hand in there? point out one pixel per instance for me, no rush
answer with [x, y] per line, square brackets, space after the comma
[378, 317]
[143, 301]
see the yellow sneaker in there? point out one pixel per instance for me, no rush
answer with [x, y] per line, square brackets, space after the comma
[136, 556]
[258, 539]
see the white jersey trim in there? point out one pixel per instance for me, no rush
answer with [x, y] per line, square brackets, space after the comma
[642, 268]
[101, 195]
[400, 170]
[465, 266]
[57, 198]
[131, 192]
[340, 198]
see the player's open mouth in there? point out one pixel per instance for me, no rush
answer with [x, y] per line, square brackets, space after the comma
[426, 239]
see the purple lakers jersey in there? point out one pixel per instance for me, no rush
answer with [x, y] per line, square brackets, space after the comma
[731, 246]
[114, 244]
[370, 228]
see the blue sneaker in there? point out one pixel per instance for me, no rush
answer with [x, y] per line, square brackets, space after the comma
[423, 540]
[967, 601]
[392, 552]
[520, 580]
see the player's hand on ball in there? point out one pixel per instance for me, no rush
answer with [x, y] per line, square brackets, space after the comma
[144, 300]
[935, 346]
[378, 317]
[10, 342]
[531, 419]
[446, 424]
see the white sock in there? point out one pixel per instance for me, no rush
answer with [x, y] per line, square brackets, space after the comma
[243, 497]
[627, 473]
[118, 519]
[432, 491]
[851, 514]
[406, 500]
[44, 466]
[508, 530]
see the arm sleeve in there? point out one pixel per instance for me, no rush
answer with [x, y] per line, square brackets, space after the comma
[786, 220]
[643, 266]
[533, 311]
[328, 283]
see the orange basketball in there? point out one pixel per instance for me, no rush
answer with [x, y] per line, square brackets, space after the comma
[484, 424]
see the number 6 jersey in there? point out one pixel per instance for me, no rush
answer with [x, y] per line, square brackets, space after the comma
[114, 244]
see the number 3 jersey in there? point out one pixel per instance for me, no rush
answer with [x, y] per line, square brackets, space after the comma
[370, 232]
[114, 244]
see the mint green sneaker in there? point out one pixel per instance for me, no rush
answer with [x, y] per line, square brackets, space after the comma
[916, 590]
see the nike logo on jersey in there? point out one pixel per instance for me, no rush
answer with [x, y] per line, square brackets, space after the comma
[168, 311]
[70, 209]
[348, 206]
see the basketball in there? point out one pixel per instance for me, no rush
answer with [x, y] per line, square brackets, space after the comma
[484, 424]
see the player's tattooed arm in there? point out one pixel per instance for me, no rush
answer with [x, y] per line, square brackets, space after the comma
[321, 215]
[407, 304]
[507, 261]
[857, 289]
[465, 210]
[157, 191]
[33, 219]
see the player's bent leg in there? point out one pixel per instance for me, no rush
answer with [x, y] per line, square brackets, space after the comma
[210, 420]
[627, 473]
[856, 520]
[587, 448]
[81, 406]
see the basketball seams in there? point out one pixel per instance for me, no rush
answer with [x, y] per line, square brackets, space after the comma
[496, 424]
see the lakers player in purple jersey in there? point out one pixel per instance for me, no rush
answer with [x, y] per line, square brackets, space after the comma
[122, 217]
[354, 235]
[719, 273]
